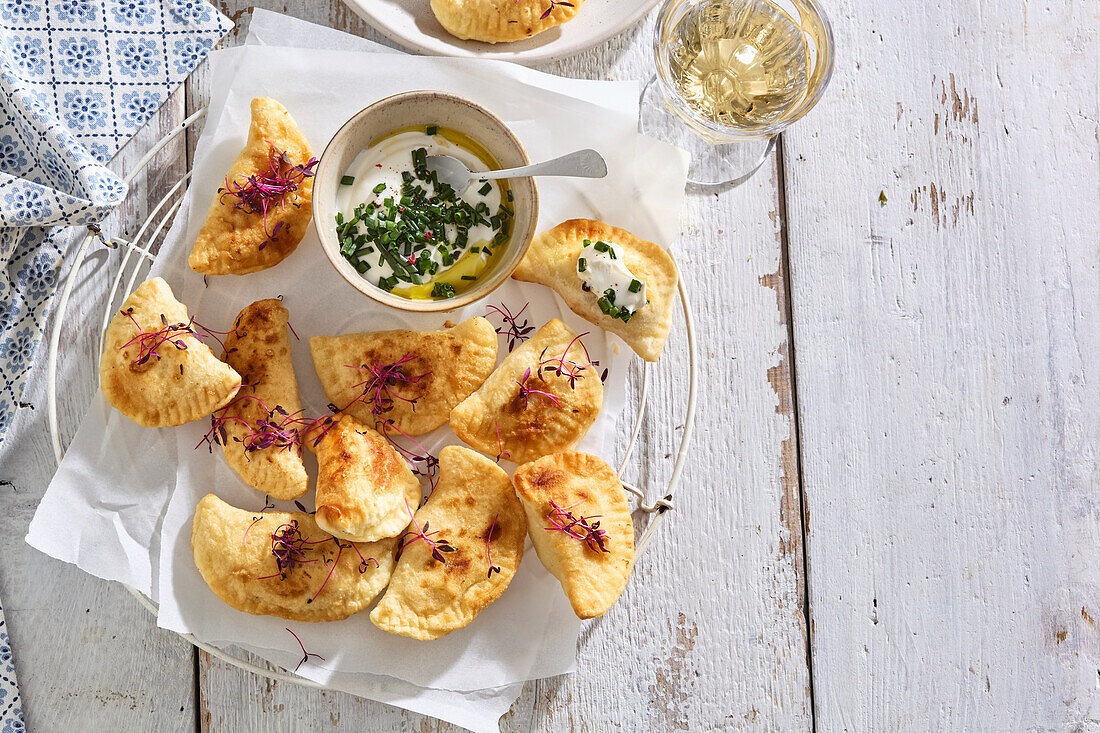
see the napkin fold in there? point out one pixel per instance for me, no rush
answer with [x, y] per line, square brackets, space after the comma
[77, 79]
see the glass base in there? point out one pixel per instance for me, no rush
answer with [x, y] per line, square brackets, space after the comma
[712, 166]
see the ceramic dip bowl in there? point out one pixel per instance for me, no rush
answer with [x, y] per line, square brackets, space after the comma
[365, 224]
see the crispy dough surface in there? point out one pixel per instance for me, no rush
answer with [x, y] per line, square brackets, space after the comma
[234, 241]
[363, 484]
[232, 563]
[258, 347]
[180, 386]
[427, 599]
[450, 363]
[592, 580]
[496, 21]
[498, 419]
[552, 261]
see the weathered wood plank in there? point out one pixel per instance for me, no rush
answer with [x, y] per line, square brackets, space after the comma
[947, 377]
[662, 659]
[88, 655]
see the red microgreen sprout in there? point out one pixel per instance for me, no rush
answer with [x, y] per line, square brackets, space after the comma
[260, 191]
[488, 551]
[377, 386]
[148, 342]
[565, 367]
[501, 453]
[579, 528]
[288, 546]
[305, 655]
[438, 547]
[553, 4]
[516, 332]
[525, 391]
[268, 504]
[423, 463]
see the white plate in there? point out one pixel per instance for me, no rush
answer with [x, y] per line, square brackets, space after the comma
[412, 24]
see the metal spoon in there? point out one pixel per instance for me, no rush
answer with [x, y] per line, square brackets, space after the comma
[581, 164]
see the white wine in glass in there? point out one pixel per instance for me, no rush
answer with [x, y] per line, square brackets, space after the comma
[734, 71]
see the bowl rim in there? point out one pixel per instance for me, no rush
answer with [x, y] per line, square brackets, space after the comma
[482, 289]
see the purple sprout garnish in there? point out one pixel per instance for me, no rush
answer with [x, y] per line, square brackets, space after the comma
[422, 462]
[268, 504]
[565, 367]
[288, 547]
[553, 4]
[488, 551]
[526, 391]
[382, 377]
[260, 191]
[516, 332]
[149, 342]
[501, 453]
[438, 547]
[305, 655]
[578, 527]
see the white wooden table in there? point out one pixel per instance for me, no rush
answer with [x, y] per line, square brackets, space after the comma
[892, 517]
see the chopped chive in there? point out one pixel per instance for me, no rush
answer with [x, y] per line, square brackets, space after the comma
[469, 277]
[432, 129]
[443, 290]
[347, 180]
[484, 190]
[582, 264]
[635, 286]
[380, 188]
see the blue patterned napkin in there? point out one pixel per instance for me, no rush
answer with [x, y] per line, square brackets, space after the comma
[77, 80]
[11, 707]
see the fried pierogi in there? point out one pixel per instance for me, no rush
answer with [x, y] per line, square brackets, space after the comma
[542, 399]
[363, 485]
[409, 379]
[579, 522]
[461, 553]
[281, 564]
[496, 21]
[261, 422]
[262, 209]
[556, 259]
[153, 368]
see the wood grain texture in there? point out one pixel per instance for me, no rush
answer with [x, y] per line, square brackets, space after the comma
[947, 371]
[87, 655]
[710, 634]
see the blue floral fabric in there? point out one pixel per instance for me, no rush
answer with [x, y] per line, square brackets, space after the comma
[11, 708]
[77, 80]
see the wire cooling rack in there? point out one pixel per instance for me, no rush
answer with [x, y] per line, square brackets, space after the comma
[138, 254]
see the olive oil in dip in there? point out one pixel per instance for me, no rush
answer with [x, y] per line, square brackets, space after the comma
[738, 63]
[407, 233]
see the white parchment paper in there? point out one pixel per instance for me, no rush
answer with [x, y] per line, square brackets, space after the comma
[120, 506]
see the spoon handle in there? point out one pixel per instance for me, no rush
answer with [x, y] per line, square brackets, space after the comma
[581, 164]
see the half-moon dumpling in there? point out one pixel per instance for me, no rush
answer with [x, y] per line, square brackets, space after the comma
[579, 522]
[364, 487]
[261, 423]
[262, 209]
[153, 368]
[542, 399]
[410, 379]
[554, 259]
[465, 545]
[281, 564]
[494, 21]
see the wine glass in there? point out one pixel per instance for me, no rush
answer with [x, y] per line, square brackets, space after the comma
[731, 75]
